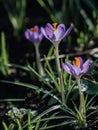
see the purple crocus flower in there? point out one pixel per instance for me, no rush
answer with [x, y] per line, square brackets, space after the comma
[78, 68]
[56, 32]
[34, 34]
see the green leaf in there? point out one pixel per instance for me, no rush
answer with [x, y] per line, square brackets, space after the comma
[11, 126]
[4, 125]
[58, 125]
[34, 87]
[4, 56]
[43, 114]
[92, 87]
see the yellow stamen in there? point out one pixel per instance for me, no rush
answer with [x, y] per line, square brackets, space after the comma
[34, 29]
[77, 62]
[54, 26]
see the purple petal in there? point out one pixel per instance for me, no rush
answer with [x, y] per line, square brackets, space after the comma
[62, 26]
[81, 61]
[40, 37]
[49, 37]
[44, 33]
[48, 25]
[59, 33]
[35, 35]
[49, 32]
[68, 30]
[67, 67]
[75, 70]
[86, 66]
[28, 35]
[36, 27]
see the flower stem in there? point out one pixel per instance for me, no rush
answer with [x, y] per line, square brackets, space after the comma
[82, 103]
[60, 73]
[39, 65]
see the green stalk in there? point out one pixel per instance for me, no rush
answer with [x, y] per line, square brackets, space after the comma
[39, 65]
[4, 126]
[59, 72]
[4, 56]
[82, 103]
[29, 121]
[19, 124]
[37, 125]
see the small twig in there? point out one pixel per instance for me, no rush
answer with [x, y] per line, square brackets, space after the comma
[69, 54]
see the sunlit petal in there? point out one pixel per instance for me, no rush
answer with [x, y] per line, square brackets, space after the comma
[68, 31]
[67, 67]
[86, 66]
[75, 70]
[59, 32]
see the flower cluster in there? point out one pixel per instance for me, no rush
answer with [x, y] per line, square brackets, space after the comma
[55, 33]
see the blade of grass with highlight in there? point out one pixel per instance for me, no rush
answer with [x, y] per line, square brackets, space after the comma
[4, 56]
[29, 121]
[51, 74]
[32, 87]
[58, 125]
[19, 124]
[12, 100]
[43, 114]
[37, 125]
[69, 89]
[47, 119]
[49, 54]
[5, 126]
[54, 81]
[57, 118]
[42, 79]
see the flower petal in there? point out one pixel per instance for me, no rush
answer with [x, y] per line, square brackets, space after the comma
[40, 37]
[75, 70]
[60, 32]
[49, 26]
[68, 31]
[81, 61]
[86, 66]
[49, 30]
[28, 35]
[36, 27]
[67, 67]
[44, 33]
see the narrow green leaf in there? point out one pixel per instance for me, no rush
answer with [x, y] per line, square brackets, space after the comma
[5, 126]
[32, 87]
[37, 125]
[58, 125]
[4, 55]
[43, 114]
[29, 121]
